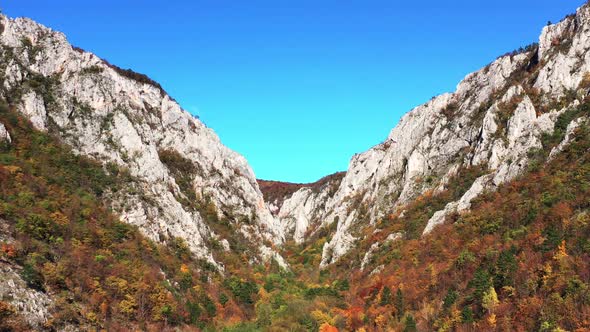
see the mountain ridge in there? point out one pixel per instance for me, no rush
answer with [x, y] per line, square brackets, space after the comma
[514, 101]
[80, 97]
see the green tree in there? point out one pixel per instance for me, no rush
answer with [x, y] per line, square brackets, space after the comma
[242, 290]
[399, 303]
[467, 315]
[410, 324]
[32, 276]
[223, 299]
[505, 268]
[480, 283]
[194, 311]
[450, 299]
[209, 306]
[385, 296]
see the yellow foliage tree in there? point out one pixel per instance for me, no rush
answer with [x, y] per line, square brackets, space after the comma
[322, 317]
[59, 218]
[490, 299]
[561, 251]
[184, 269]
[128, 305]
[380, 321]
[492, 320]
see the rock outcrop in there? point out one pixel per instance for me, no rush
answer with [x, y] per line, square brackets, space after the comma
[4, 135]
[297, 205]
[32, 304]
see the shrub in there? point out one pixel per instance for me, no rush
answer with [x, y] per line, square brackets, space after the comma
[242, 290]
[32, 276]
[91, 70]
[138, 77]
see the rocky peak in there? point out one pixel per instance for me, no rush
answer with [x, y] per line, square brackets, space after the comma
[494, 119]
[125, 119]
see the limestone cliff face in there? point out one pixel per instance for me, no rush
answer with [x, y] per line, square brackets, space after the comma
[4, 135]
[494, 118]
[299, 213]
[125, 119]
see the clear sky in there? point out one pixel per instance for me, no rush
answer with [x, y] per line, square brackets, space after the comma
[298, 87]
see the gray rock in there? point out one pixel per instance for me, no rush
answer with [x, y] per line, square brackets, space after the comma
[4, 135]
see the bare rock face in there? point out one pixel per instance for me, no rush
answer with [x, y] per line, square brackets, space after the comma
[493, 120]
[4, 135]
[123, 118]
[33, 305]
[298, 213]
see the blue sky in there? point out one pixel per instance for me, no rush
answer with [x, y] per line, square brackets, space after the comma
[298, 87]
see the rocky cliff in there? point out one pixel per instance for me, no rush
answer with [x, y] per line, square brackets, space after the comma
[297, 206]
[177, 166]
[494, 121]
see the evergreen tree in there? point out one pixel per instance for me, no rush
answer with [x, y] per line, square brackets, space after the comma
[385, 296]
[481, 283]
[467, 315]
[505, 268]
[410, 325]
[399, 303]
[450, 299]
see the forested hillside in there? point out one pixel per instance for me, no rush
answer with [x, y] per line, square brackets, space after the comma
[60, 237]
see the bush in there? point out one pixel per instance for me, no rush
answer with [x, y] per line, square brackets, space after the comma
[91, 70]
[242, 290]
[32, 277]
[138, 77]
[313, 292]
[35, 226]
